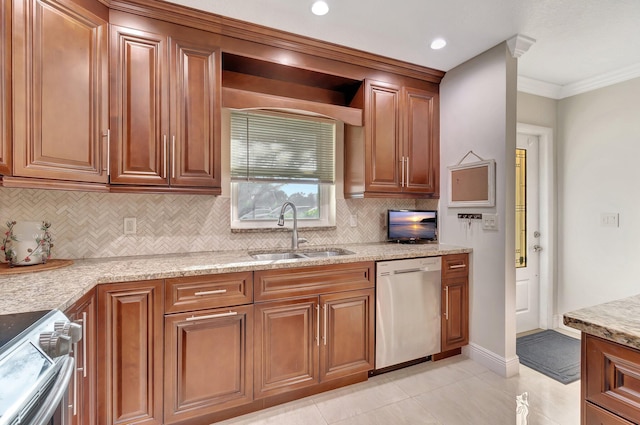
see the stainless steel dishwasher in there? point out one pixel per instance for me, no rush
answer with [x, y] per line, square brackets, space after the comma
[408, 298]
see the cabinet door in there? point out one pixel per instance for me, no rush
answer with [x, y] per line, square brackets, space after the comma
[286, 346]
[611, 377]
[130, 321]
[82, 389]
[195, 116]
[347, 330]
[455, 313]
[208, 362]
[420, 142]
[383, 157]
[60, 97]
[5, 87]
[139, 107]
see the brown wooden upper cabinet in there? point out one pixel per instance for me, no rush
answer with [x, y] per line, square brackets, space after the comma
[60, 97]
[5, 87]
[396, 153]
[165, 106]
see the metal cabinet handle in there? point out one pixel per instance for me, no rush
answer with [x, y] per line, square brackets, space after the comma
[211, 316]
[173, 156]
[214, 292]
[446, 302]
[317, 325]
[108, 136]
[164, 150]
[407, 172]
[402, 174]
[458, 266]
[324, 334]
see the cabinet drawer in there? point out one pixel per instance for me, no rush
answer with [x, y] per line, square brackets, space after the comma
[593, 415]
[303, 281]
[455, 265]
[611, 373]
[209, 291]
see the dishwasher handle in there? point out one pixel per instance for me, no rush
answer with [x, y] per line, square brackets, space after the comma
[417, 270]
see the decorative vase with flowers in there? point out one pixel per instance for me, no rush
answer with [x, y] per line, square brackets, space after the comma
[27, 243]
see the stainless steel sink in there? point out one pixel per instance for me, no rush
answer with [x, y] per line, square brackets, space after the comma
[292, 255]
[273, 256]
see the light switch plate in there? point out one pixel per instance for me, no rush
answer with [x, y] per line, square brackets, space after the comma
[610, 220]
[490, 221]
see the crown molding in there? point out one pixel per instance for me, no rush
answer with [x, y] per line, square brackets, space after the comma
[519, 45]
[555, 91]
[539, 88]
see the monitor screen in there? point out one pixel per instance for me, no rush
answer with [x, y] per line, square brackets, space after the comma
[412, 226]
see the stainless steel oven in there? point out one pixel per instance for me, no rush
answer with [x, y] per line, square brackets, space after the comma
[35, 367]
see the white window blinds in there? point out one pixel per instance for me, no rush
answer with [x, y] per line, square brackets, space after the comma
[279, 148]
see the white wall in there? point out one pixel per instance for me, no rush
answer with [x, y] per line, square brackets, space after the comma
[598, 172]
[478, 104]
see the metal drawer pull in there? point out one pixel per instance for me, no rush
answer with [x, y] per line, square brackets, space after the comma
[212, 316]
[458, 266]
[214, 292]
[446, 303]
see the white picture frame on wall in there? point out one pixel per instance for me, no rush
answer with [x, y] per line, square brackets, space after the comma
[472, 184]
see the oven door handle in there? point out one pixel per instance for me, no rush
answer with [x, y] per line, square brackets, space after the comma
[57, 392]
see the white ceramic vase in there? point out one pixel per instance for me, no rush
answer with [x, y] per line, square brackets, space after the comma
[27, 243]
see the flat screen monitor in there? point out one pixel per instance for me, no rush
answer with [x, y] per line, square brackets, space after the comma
[412, 226]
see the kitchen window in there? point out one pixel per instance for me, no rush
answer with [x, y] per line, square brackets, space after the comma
[278, 157]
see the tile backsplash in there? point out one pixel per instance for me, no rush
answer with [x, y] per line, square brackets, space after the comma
[90, 225]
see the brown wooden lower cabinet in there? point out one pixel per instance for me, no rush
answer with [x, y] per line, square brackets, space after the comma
[130, 322]
[321, 329]
[455, 301]
[82, 388]
[610, 375]
[200, 364]
[208, 362]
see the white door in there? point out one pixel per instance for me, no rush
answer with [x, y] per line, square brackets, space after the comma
[527, 257]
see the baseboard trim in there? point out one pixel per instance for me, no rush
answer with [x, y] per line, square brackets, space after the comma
[498, 364]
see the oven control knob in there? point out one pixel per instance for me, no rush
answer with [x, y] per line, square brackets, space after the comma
[55, 344]
[70, 329]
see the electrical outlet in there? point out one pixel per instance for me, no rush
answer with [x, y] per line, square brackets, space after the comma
[129, 226]
[353, 220]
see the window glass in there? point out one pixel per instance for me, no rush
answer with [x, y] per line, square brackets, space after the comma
[275, 158]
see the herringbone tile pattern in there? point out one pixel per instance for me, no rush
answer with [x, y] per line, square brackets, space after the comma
[90, 225]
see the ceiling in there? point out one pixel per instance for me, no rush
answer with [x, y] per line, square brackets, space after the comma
[576, 40]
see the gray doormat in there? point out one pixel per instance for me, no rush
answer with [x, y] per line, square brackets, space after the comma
[551, 353]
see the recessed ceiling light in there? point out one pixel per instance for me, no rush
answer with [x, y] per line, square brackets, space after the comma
[438, 43]
[320, 8]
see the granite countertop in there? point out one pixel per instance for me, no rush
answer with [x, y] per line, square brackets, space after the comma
[60, 288]
[617, 321]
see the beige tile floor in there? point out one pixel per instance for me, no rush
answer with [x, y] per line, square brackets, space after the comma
[454, 391]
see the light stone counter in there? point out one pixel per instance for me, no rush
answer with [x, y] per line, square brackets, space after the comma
[60, 288]
[617, 321]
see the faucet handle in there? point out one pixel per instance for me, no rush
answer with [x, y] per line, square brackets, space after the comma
[302, 240]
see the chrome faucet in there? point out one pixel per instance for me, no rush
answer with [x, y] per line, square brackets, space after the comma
[294, 235]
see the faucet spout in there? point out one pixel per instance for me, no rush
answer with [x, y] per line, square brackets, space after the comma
[294, 233]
